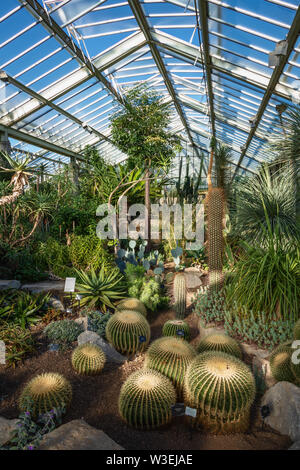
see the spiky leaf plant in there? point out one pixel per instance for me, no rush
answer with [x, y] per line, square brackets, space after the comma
[177, 328]
[170, 356]
[128, 331]
[132, 304]
[222, 389]
[45, 392]
[220, 342]
[297, 330]
[146, 398]
[100, 290]
[88, 359]
[280, 363]
[179, 289]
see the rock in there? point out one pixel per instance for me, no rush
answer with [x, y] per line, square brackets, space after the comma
[253, 350]
[82, 321]
[53, 347]
[192, 280]
[7, 426]
[78, 435]
[258, 363]
[111, 354]
[10, 284]
[283, 400]
[209, 329]
[46, 286]
[295, 446]
[56, 304]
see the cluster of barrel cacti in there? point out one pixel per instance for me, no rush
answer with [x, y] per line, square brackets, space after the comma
[179, 289]
[132, 304]
[44, 393]
[220, 342]
[88, 359]
[177, 328]
[128, 331]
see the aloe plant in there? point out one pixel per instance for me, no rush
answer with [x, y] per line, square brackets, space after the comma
[100, 290]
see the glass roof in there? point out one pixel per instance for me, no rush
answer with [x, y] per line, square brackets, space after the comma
[66, 64]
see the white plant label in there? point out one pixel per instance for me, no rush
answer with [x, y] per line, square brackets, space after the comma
[296, 354]
[191, 412]
[70, 284]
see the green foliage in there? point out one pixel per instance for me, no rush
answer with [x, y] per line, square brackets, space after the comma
[18, 343]
[128, 331]
[97, 322]
[63, 332]
[179, 292]
[170, 356]
[225, 412]
[209, 305]
[46, 391]
[220, 342]
[100, 290]
[177, 328]
[134, 273]
[54, 256]
[146, 399]
[151, 295]
[22, 308]
[88, 359]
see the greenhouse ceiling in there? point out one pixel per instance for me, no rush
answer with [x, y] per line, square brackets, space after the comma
[65, 65]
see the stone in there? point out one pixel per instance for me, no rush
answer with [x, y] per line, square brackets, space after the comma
[45, 286]
[111, 354]
[10, 284]
[53, 347]
[56, 304]
[82, 321]
[192, 280]
[295, 446]
[78, 435]
[7, 426]
[283, 400]
[209, 329]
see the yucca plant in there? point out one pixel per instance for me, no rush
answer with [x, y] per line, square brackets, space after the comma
[100, 290]
[21, 172]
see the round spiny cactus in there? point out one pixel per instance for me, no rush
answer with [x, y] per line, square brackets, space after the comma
[146, 398]
[297, 330]
[88, 359]
[128, 331]
[132, 304]
[220, 342]
[170, 356]
[222, 389]
[177, 328]
[45, 392]
[280, 363]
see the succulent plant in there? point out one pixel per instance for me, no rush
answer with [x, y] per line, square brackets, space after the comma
[220, 342]
[170, 356]
[146, 398]
[45, 392]
[179, 289]
[132, 304]
[297, 330]
[222, 389]
[215, 210]
[177, 328]
[128, 331]
[88, 359]
[280, 363]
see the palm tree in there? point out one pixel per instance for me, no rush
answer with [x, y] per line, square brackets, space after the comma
[19, 180]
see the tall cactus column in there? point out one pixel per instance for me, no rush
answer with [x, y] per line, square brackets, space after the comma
[180, 295]
[215, 211]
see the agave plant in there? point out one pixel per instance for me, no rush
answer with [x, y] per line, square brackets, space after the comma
[100, 290]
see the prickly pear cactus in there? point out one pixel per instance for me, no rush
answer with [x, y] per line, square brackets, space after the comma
[179, 292]
[128, 331]
[45, 392]
[146, 399]
[177, 328]
[88, 359]
[132, 304]
[222, 389]
[220, 342]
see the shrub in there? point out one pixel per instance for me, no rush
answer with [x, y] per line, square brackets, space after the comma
[89, 252]
[150, 294]
[18, 343]
[97, 322]
[63, 332]
[22, 308]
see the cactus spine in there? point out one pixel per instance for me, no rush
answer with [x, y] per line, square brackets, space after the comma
[128, 331]
[88, 359]
[222, 389]
[280, 363]
[180, 295]
[177, 328]
[220, 342]
[132, 304]
[45, 392]
[146, 398]
[170, 356]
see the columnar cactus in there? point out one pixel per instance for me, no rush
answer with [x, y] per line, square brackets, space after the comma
[297, 330]
[170, 356]
[215, 209]
[45, 392]
[177, 328]
[220, 342]
[132, 304]
[88, 359]
[179, 288]
[222, 389]
[280, 363]
[128, 331]
[146, 398]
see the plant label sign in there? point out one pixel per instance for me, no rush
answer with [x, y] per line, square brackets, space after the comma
[142, 339]
[178, 409]
[180, 332]
[70, 284]
[191, 412]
